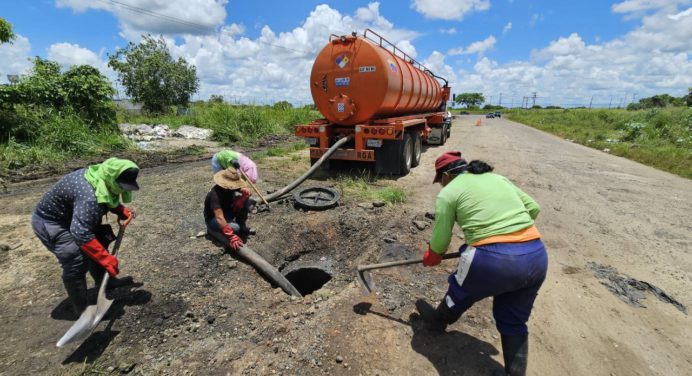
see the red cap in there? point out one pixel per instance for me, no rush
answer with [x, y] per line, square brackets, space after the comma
[443, 160]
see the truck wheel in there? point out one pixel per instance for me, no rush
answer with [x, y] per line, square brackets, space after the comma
[443, 136]
[417, 149]
[406, 154]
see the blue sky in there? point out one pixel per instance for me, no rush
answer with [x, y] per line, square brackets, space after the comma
[567, 51]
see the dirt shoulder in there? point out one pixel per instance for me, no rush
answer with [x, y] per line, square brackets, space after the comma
[198, 311]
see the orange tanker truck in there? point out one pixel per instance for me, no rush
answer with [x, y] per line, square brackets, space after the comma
[386, 102]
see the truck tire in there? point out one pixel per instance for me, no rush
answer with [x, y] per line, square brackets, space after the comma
[444, 135]
[417, 149]
[406, 154]
[394, 157]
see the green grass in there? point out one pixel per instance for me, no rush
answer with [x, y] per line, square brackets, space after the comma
[232, 124]
[365, 187]
[281, 151]
[661, 138]
[57, 138]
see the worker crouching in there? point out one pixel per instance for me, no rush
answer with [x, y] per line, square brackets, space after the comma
[68, 218]
[503, 258]
[227, 206]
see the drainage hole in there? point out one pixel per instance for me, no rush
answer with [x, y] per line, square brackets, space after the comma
[308, 280]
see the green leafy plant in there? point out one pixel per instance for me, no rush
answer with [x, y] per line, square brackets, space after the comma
[6, 33]
[151, 76]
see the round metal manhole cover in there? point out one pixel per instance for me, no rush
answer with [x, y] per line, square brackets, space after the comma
[317, 198]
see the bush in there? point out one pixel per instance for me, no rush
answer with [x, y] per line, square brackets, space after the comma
[81, 90]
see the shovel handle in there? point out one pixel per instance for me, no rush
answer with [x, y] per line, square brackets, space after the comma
[404, 262]
[116, 247]
[254, 187]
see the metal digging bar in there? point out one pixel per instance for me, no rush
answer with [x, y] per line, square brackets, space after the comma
[93, 314]
[276, 195]
[366, 282]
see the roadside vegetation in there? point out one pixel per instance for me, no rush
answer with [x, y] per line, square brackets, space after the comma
[50, 116]
[658, 137]
[243, 124]
[366, 187]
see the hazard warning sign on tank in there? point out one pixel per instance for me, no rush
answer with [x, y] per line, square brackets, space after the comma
[342, 61]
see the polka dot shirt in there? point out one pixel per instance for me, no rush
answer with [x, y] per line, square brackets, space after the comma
[72, 202]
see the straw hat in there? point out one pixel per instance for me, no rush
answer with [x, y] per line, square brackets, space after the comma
[230, 178]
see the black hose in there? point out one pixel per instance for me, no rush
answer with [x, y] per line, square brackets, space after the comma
[276, 195]
[259, 263]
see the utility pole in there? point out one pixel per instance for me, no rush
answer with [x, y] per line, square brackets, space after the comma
[634, 95]
[534, 99]
[590, 102]
[611, 102]
[500, 103]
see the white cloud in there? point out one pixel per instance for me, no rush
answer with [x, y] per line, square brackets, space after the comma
[478, 47]
[678, 16]
[450, 31]
[449, 9]
[277, 65]
[68, 54]
[653, 58]
[630, 6]
[408, 48]
[507, 28]
[436, 63]
[14, 58]
[138, 17]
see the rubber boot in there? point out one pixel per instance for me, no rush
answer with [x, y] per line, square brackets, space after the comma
[437, 319]
[515, 350]
[77, 293]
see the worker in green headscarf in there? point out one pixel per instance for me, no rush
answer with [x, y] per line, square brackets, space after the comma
[67, 220]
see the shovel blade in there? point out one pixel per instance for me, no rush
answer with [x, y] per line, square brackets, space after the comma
[89, 319]
[365, 282]
[81, 329]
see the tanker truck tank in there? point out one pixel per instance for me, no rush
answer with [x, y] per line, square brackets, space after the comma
[360, 78]
[379, 106]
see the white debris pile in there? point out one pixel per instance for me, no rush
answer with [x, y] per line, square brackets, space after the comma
[190, 132]
[145, 132]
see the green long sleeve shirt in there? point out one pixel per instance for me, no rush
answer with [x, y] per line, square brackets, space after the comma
[482, 205]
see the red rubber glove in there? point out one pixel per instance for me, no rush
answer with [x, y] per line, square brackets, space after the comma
[100, 255]
[431, 258]
[240, 201]
[124, 214]
[233, 240]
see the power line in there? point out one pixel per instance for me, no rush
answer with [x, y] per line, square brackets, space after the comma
[133, 8]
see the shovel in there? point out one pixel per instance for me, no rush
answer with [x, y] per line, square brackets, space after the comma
[93, 314]
[255, 188]
[366, 282]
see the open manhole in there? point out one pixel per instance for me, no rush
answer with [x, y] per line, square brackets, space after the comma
[308, 280]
